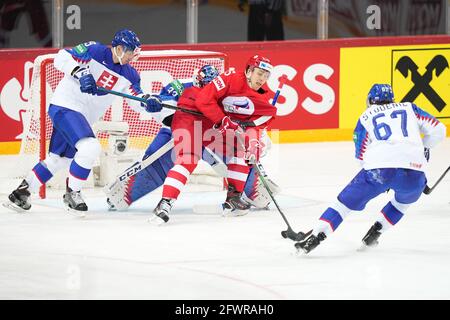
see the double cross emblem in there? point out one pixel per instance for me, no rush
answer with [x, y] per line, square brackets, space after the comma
[422, 82]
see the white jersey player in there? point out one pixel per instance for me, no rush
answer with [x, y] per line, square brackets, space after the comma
[75, 106]
[391, 150]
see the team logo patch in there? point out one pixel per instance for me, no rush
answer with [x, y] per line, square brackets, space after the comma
[219, 83]
[240, 105]
[422, 77]
[107, 80]
[80, 49]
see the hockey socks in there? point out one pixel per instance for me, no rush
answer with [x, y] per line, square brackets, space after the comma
[78, 175]
[392, 213]
[237, 173]
[39, 175]
[176, 180]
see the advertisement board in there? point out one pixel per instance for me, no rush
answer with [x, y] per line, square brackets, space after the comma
[326, 88]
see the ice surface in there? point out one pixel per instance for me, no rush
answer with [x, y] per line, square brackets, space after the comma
[49, 254]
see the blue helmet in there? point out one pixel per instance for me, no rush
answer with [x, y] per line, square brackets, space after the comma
[204, 75]
[380, 94]
[126, 38]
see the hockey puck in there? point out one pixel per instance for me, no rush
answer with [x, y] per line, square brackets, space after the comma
[284, 234]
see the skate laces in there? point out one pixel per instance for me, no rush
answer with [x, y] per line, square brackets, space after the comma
[76, 197]
[164, 206]
[310, 241]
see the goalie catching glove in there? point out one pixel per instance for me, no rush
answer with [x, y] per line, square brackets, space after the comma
[152, 103]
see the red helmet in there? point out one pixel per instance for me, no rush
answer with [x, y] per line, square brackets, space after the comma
[259, 62]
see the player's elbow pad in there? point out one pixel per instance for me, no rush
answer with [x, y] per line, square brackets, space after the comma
[438, 134]
[64, 62]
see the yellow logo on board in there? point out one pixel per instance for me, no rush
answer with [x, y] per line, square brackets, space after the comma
[422, 76]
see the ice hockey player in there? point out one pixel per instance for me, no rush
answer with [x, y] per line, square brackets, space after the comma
[123, 192]
[391, 150]
[234, 101]
[76, 104]
[127, 188]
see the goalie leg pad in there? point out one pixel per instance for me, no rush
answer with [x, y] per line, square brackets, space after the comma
[125, 191]
[164, 135]
[149, 179]
[215, 162]
[256, 193]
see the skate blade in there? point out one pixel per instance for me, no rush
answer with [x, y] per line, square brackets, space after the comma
[12, 206]
[300, 252]
[234, 213]
[364, 247]
[154, 220]
[75, 213]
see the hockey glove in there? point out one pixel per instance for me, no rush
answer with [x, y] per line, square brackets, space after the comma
[152, 104]
[426, 153]
[86, 79]
[227, 124]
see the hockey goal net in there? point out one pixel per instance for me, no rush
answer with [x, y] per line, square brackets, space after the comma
[156, 68]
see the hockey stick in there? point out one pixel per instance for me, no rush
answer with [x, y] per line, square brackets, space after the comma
[289, 233]
[428, 190]
[128, 96]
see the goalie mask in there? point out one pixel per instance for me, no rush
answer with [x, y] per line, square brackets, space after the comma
[204, 75]
[380, 94]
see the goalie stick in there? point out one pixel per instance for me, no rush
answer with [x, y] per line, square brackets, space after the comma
[428, 190]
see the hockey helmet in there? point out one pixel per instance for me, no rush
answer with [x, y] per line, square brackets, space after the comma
[380, 94]
[204, 75]
[259, 62]
[128, 39]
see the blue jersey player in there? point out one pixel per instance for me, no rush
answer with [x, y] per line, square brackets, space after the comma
[390, 147]
[75, 106]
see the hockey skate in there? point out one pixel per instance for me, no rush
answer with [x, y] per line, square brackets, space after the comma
[371, 238]
[73, 202]
[111, 206]
[311, 242]
[234, 205]
[161, 212]
[18, 199]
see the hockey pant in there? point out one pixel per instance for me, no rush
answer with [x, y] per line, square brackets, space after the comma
[72, 144]
[367, 184]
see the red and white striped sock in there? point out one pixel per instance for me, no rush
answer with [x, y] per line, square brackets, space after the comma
[176, 179]
[237, 173]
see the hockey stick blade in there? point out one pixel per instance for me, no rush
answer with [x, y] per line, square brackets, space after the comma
[428, 190]
[294, 236]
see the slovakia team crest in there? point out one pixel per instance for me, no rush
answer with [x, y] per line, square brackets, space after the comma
[240, 105]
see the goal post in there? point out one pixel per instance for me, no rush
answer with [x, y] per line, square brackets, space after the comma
[156, 68]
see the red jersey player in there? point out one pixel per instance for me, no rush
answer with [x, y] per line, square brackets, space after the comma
[232, 103]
